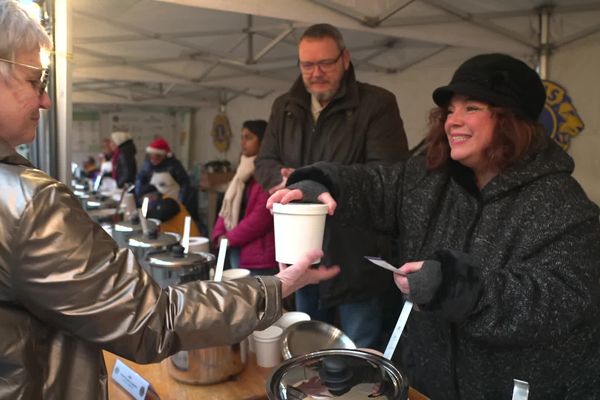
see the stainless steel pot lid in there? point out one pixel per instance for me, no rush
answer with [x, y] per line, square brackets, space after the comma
[176, 259]
[305, 337]
[337, 373]
[154, 240]
[134, 225]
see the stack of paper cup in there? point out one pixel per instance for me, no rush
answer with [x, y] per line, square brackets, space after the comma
[198, 244]
[299, 227]
[267, 346]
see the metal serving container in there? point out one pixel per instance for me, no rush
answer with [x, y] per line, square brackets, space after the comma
[145, 245]
[209, 365]
[105, 215]
[97, 202]
[124, 230]
[174, 267]
[337, 373]
[200, 366]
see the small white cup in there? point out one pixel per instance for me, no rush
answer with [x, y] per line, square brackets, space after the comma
[199, 244]
[290, 318]
[299, 227]
[267, 346]
[235, 273]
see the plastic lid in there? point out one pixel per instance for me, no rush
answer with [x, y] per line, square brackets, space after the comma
[300, 208]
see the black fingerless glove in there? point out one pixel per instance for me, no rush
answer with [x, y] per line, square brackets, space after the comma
[310, 189]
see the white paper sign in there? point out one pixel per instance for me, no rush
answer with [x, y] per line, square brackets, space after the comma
[129, 380]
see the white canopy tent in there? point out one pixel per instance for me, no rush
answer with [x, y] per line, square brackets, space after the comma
[200, 54]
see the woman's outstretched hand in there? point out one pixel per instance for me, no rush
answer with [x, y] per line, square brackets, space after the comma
[300, 274]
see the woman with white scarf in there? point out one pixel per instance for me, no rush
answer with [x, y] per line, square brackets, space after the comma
[244, 219]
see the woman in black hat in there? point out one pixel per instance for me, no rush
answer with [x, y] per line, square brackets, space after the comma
[499, 244]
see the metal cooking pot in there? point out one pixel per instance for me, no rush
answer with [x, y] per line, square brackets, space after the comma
[125, 230]
[174, 267]
[209, 365]
[145, 245]
[96, 202]
[337, 373]
[105, 215]
[201, 366]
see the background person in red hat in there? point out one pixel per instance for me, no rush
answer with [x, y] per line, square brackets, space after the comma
[160, 158]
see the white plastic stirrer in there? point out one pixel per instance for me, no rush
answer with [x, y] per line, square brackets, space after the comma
[393, 342]
[404, 314]
[143, 212]
[221, 260]
[185, 240]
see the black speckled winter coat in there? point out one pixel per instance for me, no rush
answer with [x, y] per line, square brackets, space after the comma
[525, 300]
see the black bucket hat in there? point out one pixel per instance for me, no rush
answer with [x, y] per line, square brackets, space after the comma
[500, 80]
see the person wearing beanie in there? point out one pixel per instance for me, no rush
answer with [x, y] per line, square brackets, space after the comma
[244, 219]
[160, 158]
[499, 246]
[124, 166]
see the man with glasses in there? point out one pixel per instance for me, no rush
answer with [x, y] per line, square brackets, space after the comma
[329, 116]
[66, 291]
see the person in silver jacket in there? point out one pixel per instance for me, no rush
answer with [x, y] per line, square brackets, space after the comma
[66, 291]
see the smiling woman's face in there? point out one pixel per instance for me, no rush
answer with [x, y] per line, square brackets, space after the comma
[470, 129]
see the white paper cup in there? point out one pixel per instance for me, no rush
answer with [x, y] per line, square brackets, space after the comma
[235, 273]
[267, 346]
[199, 244]
[290, 318]
[299, 228]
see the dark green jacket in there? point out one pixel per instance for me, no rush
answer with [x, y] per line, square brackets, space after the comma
[360, 125]
[520, 296]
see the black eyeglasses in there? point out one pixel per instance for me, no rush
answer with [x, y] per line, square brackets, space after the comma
[43, 78]
[324, 65]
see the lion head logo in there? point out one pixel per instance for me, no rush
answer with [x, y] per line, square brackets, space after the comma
[559, 117]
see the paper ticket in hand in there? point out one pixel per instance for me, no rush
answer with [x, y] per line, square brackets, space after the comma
[383, 264]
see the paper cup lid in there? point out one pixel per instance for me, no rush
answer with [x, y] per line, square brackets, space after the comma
[235, 273]
[300, 208]
[272, 332]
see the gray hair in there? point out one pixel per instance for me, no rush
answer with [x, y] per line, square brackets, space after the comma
[18, 32]
[320, 31]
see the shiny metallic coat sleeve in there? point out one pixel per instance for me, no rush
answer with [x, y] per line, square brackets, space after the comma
[70, 274]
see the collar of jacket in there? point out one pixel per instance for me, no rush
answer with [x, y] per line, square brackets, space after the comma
[346, 96]
[8, 155]
[547, 159]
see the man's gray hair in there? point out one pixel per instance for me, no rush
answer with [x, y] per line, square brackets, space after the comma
[18, 32]
[320, 31]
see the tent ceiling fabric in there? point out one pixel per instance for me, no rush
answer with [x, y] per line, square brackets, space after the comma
[192, 53]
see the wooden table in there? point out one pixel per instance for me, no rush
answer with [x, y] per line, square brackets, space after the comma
[249, 385]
